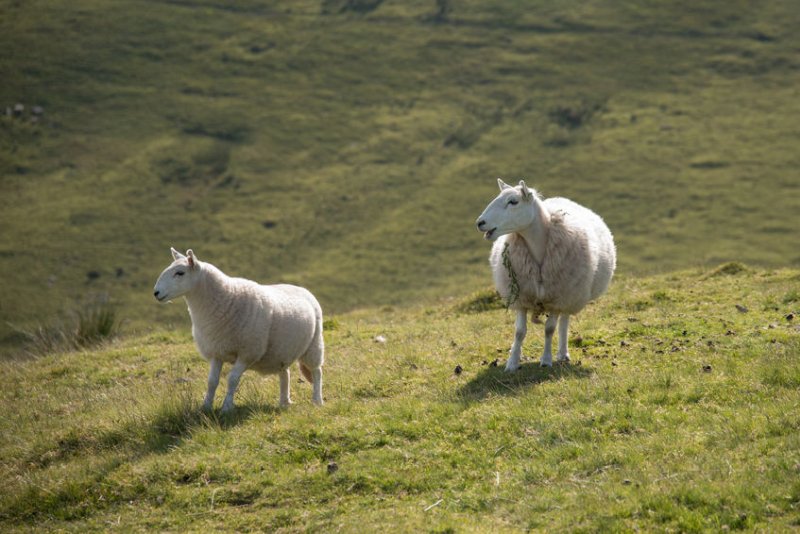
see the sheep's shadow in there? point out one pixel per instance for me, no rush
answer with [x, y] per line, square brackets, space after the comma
[139, 435]
[496, 381]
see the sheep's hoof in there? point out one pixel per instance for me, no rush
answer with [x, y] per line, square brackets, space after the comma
[546, 362]
[286, 403]
[226, 409]
[512, 367]
[563, 358]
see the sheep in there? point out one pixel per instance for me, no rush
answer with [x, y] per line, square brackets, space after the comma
[252, 326]
[549, 256]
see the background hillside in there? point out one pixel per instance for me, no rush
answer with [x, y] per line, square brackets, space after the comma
[348, 145]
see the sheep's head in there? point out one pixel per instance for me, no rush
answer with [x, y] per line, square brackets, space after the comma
[179, 278]
[511, 211]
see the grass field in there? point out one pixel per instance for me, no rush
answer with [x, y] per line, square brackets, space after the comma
[678, 413]
[349, 145]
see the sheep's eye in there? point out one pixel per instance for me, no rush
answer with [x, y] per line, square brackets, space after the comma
[513, 201]
[179, 273]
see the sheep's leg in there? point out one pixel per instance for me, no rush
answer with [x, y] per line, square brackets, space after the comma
[519, 336]
[213, 381]
[233, 382]
[285, 394]
[316, 395]
[549, 330]
[563, 347]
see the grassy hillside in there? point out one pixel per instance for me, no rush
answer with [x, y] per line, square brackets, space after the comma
[349, 144]
[679, 412]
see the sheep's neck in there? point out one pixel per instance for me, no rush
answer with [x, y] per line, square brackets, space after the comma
[204, 298]
[535, 235]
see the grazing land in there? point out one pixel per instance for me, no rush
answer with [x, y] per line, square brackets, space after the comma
[679, 412]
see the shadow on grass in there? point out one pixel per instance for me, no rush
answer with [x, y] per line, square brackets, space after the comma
[154, 430]
[495, 381]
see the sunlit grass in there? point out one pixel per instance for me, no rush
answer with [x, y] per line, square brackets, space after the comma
[677, 413]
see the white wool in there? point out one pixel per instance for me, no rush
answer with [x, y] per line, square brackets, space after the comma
[561, 253]
[265, 328]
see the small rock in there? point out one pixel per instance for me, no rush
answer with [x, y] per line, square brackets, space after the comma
[379, 339]
[332, 467]
[37, 110]
[626, 482]
[623, 343]
[19, 109]
[772, 325]
[632, 319]
[789, 317]
[730, 333]
[742, 309]
[458, 369]
[613, 363]
[707, 368]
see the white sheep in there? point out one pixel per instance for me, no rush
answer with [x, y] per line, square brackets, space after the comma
[252, 326]
[549, 256]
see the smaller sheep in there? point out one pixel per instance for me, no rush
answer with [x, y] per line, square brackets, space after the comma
[549, 256]
[261, 327]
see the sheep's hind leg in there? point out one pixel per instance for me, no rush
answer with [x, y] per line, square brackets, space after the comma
[285, 394]
[549, 330]
[519, 336]
[563, 347]
[213, 382]
[233, 382]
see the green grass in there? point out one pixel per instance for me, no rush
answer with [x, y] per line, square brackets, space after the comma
[678, 413]
[349, 146]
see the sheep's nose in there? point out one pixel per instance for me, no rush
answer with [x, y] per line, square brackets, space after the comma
[481, 225]
[155, 293]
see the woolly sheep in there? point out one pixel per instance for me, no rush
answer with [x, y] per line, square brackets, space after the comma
[549, 256]
[252, 326]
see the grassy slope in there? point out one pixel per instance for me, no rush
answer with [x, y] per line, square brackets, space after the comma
[371, 140]
[635, 434]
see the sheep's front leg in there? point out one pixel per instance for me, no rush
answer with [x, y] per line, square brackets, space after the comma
[519, 336]
[285, 394]
[233, 382]
[563, 347]
[549, 330]
[213, 382]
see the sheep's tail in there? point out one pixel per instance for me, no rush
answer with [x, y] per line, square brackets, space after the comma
[306, 372]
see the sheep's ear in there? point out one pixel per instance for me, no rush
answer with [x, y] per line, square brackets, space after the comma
[192, 259]
[502, 185]
[175, 254]
[526, 192]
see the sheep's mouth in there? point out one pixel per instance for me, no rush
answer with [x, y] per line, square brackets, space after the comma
[161, 298]
[489, 233]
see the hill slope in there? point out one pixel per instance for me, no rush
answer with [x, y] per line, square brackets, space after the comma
[679, 412]
[349, 145]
